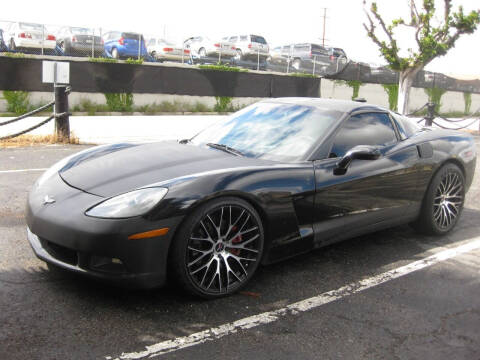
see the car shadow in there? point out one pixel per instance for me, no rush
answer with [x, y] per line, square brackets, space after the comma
[167, 312]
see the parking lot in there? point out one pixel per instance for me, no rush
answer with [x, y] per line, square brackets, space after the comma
[393, 294]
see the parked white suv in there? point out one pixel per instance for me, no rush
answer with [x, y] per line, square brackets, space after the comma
[249, 46]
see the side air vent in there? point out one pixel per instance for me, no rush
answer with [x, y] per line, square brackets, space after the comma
[425, 150]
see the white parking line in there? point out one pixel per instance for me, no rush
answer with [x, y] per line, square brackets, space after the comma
[304, 305]
[21, 170]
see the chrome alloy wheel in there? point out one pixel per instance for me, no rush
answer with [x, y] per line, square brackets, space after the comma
[448, 200]
[223, 249]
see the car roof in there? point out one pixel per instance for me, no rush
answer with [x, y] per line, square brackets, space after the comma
[345, 106]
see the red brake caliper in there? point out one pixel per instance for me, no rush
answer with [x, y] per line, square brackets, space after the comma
[236, 240]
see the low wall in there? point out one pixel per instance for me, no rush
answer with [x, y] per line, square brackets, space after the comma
[92, 77]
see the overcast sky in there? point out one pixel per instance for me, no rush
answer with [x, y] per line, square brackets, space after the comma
[279, 22]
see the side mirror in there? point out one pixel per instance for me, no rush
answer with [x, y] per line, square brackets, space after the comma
[360, 152]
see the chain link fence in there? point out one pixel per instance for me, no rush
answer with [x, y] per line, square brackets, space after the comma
[245, 51]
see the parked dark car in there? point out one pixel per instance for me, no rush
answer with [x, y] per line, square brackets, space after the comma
[78, 41]
[124, 45]
[304, 56]
[3, 45]
[278, 178]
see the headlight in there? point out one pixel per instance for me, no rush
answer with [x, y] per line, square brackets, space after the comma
[134, 203]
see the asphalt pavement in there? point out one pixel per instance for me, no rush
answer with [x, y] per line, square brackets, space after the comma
[429, 313]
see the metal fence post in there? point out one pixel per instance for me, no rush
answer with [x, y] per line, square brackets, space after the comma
[430, 114]
[43, 38]
[314, 62]
[139, 45]
[220, 54]
[93, 43]
[258, 59]
[101, 42]
[62, 121]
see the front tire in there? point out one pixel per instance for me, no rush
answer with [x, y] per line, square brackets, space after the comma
[218, 248]
[443, 202]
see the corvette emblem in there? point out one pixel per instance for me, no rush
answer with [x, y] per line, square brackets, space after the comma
[48, 200]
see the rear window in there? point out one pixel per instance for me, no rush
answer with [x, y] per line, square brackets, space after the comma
[302, 47]
[244, 38]
[28, 26]
[130, 36]
[258, 39]
[319, 49]
[81, 31]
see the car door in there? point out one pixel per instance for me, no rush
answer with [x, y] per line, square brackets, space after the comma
[372, 193]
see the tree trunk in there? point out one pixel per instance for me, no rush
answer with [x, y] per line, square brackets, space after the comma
[404, 84]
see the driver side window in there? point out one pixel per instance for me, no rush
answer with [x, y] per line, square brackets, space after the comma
[374, 129]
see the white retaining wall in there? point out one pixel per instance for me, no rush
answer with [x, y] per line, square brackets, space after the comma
[373, 93]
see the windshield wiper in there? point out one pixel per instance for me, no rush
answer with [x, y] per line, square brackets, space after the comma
[225, 148]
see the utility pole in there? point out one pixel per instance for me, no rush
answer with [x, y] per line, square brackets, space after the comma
[324, 21]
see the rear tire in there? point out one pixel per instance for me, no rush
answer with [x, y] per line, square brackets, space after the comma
[443, 202]
[239, 55]
[115, 53]
[296, 64]
[217, 249]
[202, 53]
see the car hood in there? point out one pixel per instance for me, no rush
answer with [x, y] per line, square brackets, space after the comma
[114, 169]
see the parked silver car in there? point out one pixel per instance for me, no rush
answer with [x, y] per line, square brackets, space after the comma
[78, 41]
[203, 46]
[161, 50]
[21, 36]
[249, 46]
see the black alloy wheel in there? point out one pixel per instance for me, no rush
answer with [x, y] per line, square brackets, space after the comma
[443, 201]
[218, 249]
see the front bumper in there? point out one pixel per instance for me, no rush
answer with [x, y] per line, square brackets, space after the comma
[61, 234]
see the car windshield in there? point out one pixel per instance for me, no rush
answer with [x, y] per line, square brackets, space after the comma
[271, 131]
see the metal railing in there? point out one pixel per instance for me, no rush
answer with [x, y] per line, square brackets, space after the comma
[60, 114]
[432, 115]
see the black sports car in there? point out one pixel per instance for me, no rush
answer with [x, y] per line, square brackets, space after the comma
[278, 178]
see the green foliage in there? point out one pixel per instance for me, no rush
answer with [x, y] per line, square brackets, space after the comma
[103, 60]
[467, 96]
[432, 40]
[303, 75]
[223, 104]
[221, 67]
[134, 61]
[435, 95]
[174, 107]
[392, 91]
[17, 101]
[355, 85]
[14, 55]
[119, 102]
[86, 105]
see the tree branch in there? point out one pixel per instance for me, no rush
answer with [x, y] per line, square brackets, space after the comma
[413, 13]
